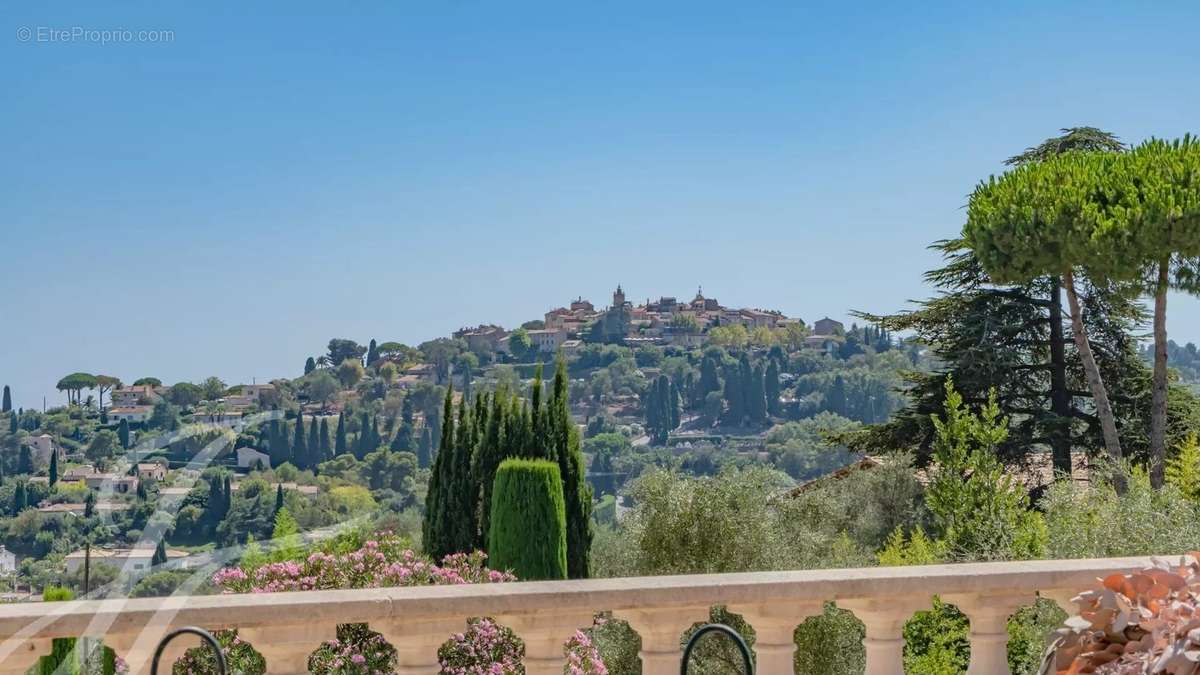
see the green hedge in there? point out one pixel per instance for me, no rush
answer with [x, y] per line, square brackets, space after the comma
[528, 533]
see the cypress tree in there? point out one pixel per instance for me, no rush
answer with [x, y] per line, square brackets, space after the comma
[463, 512]
[20, 499]
[226, 497]
[364, 444]
[434, 527]
[12, 423]
[756, 396]
[709, 380]
[537, 446]
[141, 490]
[278, 497]
[771, 388]
[491, 451]
[673, 411]
[372, 353]
[425, 449]
[278, 449]
[24, 460]
[6, 405]
[836, 402]
[299, 444]
[325, 452]
[403, 440]
[577, 492]
[340, 447]
[314, 443]
[160, 554]
[310, 365]
[529, 526]
[89, 504]
[123, 433]
[53, 467]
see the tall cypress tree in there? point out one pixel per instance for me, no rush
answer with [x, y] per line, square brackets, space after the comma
[403, 440]
[756, 397]
[53, 467]
[314, 444]
[340, 447]
[123, 433]
[278, 497]
[464, 515]
[24, 460]
[771, 387]
[310, 365]
[20, 499]
[12, 422]
[325, 452]
[490, 452]
[6, 405]
[299, 444]
[425, 448]
[538, 444]
[435, 527]
[372, 353]
[577, 493]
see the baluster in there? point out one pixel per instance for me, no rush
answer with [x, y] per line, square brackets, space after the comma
[884, 619]
[774, 626]
[989, 614]
[286, 648]
[544, 634]
[660, 629]
[25, 653]
[417, 641]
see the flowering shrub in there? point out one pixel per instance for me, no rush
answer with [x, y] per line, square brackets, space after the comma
[485, 648]
[240, 657]
[1133, 624]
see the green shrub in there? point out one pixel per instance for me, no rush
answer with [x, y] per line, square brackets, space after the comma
[529, 523]
[830, 644]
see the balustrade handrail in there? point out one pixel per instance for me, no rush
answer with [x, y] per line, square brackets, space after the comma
[65, 619]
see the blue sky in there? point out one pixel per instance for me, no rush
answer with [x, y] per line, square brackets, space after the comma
[226, 202]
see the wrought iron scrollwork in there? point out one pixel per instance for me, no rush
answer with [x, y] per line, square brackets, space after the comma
[747, 658]
[204, 635]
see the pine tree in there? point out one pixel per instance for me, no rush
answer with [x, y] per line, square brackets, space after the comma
[53, 467]
[340, 447]
[577, 492]
[528, 516]
[123, 433]
[310, 365]
[299, 444]
[6, 405]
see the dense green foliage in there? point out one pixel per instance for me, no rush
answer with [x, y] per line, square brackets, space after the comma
[528, 534]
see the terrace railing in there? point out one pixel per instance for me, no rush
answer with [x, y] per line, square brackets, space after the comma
[287, 627]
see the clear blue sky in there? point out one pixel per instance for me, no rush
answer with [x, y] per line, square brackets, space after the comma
[226, 202]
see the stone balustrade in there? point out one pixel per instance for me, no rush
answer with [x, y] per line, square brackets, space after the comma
[286, 627]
